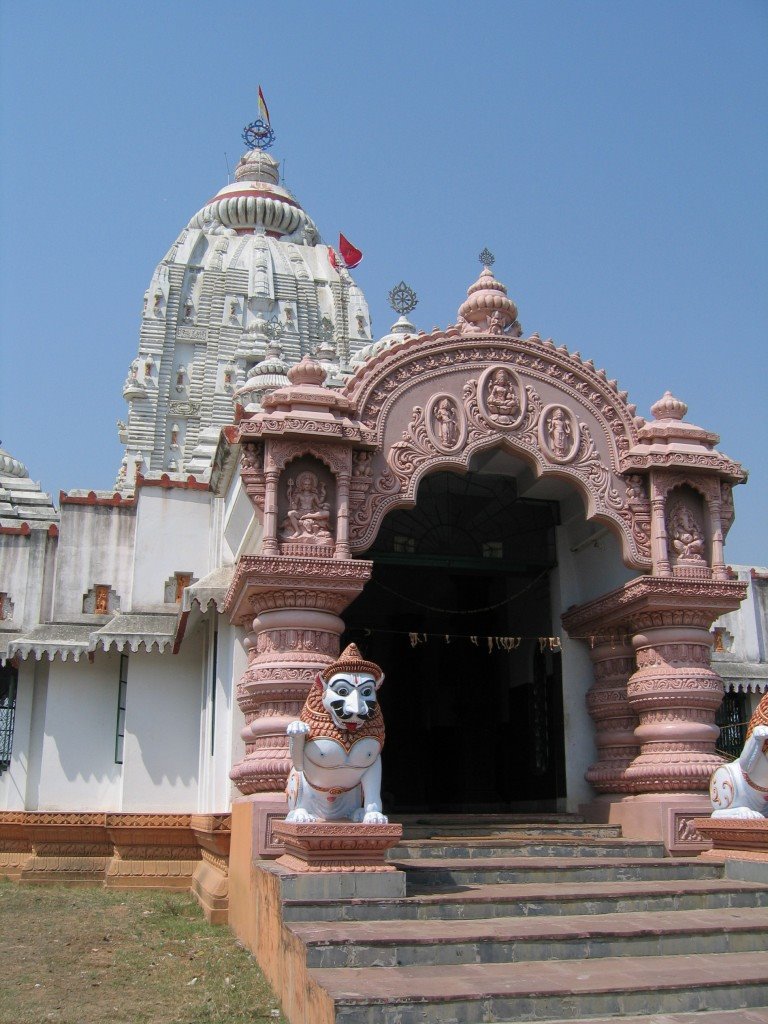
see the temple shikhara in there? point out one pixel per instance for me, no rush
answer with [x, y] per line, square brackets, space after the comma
[539, 570]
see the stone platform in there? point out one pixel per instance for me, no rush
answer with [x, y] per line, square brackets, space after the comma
[333, 846]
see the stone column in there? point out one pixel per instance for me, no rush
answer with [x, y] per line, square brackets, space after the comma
[295, 632]
[714, 507]
[342, 517]
[675, 693]
[659, 549]
[269, 544]
[614, 720]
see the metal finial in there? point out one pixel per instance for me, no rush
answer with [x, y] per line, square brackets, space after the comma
[258, 134]
[487, 258]
[403, 299]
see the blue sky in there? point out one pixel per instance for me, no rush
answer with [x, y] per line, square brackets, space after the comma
[611, 154]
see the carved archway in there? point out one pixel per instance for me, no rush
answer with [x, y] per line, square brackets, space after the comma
[434, 401]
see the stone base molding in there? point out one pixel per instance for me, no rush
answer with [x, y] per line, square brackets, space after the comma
[735, 838]
[122, 850]
[336, 846]
[657, 817]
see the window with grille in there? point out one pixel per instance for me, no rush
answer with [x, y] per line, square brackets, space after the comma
[122, 688]
[8, 680]
[733, 718]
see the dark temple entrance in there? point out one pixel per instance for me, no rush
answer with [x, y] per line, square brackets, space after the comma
[454, 611]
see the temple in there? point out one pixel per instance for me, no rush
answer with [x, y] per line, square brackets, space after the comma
[539, 569]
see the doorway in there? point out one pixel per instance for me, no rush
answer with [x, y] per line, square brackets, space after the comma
[456, 613]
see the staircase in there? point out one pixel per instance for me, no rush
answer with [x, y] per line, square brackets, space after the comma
[546, 919]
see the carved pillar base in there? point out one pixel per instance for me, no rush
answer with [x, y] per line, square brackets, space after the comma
[614, 720]
[674, 693]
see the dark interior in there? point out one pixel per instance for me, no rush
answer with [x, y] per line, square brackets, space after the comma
[471, 724]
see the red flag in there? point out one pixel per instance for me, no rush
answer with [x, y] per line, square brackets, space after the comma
[349, 253]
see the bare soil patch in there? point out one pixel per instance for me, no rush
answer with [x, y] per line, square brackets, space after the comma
[95, 956]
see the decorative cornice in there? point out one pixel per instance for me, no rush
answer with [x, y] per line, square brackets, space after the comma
[648, 594]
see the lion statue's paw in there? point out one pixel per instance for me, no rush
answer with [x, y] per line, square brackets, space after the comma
[299, 816]
[297, 728]
[364, 817]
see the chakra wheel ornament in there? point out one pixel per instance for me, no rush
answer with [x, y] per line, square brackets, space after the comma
[403, 299]
[258, 135]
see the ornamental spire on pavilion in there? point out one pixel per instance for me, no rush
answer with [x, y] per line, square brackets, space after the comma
[247, 282]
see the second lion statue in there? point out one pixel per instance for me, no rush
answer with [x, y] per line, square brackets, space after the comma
[335, 746]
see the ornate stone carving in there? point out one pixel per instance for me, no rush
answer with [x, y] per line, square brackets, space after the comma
[615, 721]
[445, 424]
[335, 746]
[501, 397]
[559, 433]
[308, 517]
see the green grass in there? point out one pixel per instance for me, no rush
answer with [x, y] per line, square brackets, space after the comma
[96, 956]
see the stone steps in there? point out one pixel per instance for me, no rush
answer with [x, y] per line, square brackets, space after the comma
[508, 845]
[535, 899]
[571, 989]
[544, 921]
[512, 940]
[487, 870]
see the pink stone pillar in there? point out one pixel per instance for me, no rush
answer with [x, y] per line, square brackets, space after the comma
[342, 517]
[714, 507]
[269, 543]
[615, 721]
[675, 693]
[297, 604]
[659, 549]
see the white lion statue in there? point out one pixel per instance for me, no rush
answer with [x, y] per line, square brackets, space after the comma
[336, 744]
[740, 789]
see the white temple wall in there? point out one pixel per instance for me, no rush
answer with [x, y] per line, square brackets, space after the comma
[161, 752]
[221, 742]
[77, 755]
[95, 547]
[242, 528]
[23, 576]
[13, 782]
[588, 564]
[171, 537]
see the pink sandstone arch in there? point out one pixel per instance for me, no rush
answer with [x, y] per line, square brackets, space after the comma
[552, 395]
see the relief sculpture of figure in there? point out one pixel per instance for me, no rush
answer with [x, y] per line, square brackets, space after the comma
[335, 746]
[502, 400]
[309, 513]
[740, 789]
[685, 536]
[559, 433]
[447, 423]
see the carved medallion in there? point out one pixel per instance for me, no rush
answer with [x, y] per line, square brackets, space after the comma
[559, 433]
[445, 423]
[501, 397]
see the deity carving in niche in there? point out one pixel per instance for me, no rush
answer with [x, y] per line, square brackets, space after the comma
[157, 307]
[559, 433]
[501, 399]
[101, 599]
[685, 536]
[361, 464]
[189, 310]
[445, 423]
[309, 514]
[635, 489]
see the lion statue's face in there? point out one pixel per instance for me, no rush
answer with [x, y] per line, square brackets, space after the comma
[350, 698]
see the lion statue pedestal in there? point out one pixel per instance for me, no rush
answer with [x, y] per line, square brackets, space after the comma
[335, 820]
[738, 827]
